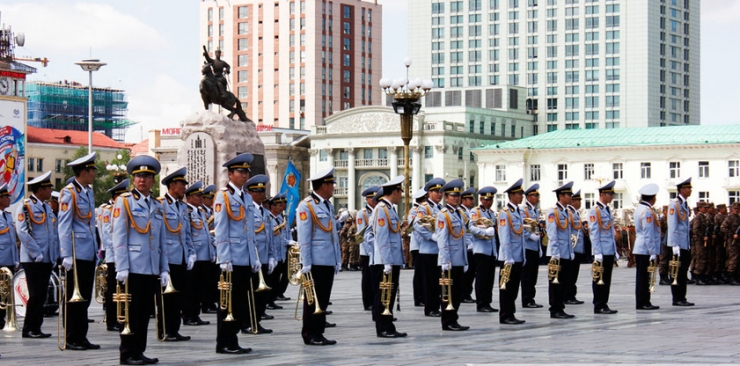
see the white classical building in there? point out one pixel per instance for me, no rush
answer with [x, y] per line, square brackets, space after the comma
[710, 155]
[364, 145]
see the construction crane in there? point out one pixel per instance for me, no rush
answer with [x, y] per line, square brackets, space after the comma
[44, 61]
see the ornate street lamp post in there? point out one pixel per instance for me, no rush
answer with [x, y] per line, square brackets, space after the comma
[406, 95]
[90, 66]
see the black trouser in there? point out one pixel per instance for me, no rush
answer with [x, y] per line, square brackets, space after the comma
[261, 296]
[142, 289]
[37, 280]
[111, 318]
[469, 276]
[571, 289]
[314, 325]
[507, 298]
[226, 331]
[601, 292]
[173, 303]
[11, 267]
[450, 317]
[679, 291]
[213, 272]
[77, 325]
[530, 271]
[273, 280]
[418, 278]
[431, 282]
[284, 280]
[642, 282]
[484, 278]
[556, 292]
[194, 290]
[366, 282]
[384, 323]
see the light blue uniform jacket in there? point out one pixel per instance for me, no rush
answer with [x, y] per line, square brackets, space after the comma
[139, 252]
[199, 235]
[43, 237]
[558, 232]
[451, 237]
[577, 225]
[483, 246]
[77, 222]
[8, 249]
[426, 244]
[531, 212]
[387, 232]
[601, 230]
[234, 227]
[179, 246]
[413, 240]
[105, 230]
[678, 223]
[363, 217]
[510, 230]
[317, 234]
[647, 230]
[263, 234]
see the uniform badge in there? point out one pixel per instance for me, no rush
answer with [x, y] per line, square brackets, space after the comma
[502, 222]
[65, 206]
[381, 222]
[551, 218]
[419, 214]
[592, 218]
[218, 207]
[21, 217]
[117, 212]
[359, 221]
[106, 219]
[649, 219]
[670, 212]
[303, 216]
[440, 224]
[474, 216]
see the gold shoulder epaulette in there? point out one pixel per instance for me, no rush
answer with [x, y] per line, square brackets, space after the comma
[125, 194]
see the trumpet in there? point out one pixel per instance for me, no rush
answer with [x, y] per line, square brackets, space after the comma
[358, 238]
[307, 291]
[169, 289]
[674, 266]
[505, 275]
[7, 299]
[276, 229]
[262, 286]
[386, 292]
[553, 270]
[101, 282]
[531, 225]
[224, 287]
[294, 264]
[483, 223]
[123, 300]
[252, 307]
[410, 228]
[653, 272]
[427, 222]
[62, 293]
[597, 272]
[446, 283]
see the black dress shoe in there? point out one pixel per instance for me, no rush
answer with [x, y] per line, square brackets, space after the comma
[114, 328]
[267, 317]
[368, 308]
[469, 300]
[133, 361]
[511, 320]
[455, 327]
[689, 281]
[328, 312]
[210, 311]
[664, 282]
[233, 351]
[149, 361]
[683, 303]
[90, 320]
[196, 321]
[329, 303]
[487, 309]
[573, 302]
[273, 306]
[36, 335]
[320, 341]
[89, 345]
[385, 334]
[176, 338]
[419, 304]
[532, 305]
[648, 307]
[260, 330]
[282, 298]
[76, 347]
[435, 314]
[329, 325]
[604, 311]
[561, 315]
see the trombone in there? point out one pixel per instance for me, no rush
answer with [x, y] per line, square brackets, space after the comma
[597, 272]
[446, 283]
[101, 284]
[653, 272]
[505, 275]
[262, 284]
[307, 291]
[674, 266]
[62, 293]
[386, 292]
[123, 301]
[224, 287]
[7, 299]
[169, 289]
[553, 270]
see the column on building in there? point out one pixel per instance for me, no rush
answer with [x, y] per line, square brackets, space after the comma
[275, 179]
[351, 180]
[415, 169]
[330, 159]
[394, 161]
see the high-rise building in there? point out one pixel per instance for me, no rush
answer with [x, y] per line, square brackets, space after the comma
[294, 63]
[585, 63]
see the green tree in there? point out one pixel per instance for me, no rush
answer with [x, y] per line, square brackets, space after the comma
[104, 179]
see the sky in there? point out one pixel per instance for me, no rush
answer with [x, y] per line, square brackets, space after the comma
[152, 52]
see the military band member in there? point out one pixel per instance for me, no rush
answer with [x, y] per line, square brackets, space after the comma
[212, 294]
[701, 227]
[105, 223]
[467, 201]
[731, 230]
[453, 258]
[279, 280]
[574, 217]
[197, 279]
[140, 253]
[39, 250]
[233, 213]
[647, 245]
[679, 239]
[533, 250]
[366, 247]
[603, 246]
[418, 281]
[428, 249]
[256, 187]
[484, 251]
[320, 253]
[8, 249]
[511, 252]
[369, 239]
[180, 254]
[560, 248]
[388, 256]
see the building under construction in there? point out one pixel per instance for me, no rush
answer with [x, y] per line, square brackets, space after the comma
[64, 105]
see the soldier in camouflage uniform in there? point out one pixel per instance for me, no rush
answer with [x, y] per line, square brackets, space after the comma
[729, 229]
[354, 249]
[699, 238]
[718, 240]
[345, 237]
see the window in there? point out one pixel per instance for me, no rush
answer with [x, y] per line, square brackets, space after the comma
[617, 201]
[243, 76]
[674, 169]
[500, 173]
[243, 44]
[243, 12]
[617, 170]
[645, 170]
[322, 155]
[534, 172]
[58, 165]
[703, 196]
[562, 173]
[31, 164]
[428, 152]
[588, 171]
[460, 154]
[733, 168]
[703, 169]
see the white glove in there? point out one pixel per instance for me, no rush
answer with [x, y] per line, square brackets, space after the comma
[509, 261]
[387, 268]
[256, 267]
[470, 246]
[616, 256]
[337, 268]
[652, 257]
[534, 237]
[490, 231]
[540, 248]
[164, 278]
[40, 258]
[599, 258]
[191, 261]
[434, 236]
[343, 216]
[572, 256]
[556, 257]
[226, 267]
[17, 266]
[676, 251]
[446, 266]
[122, 276]
[271, 263]
[305, 269]
[67, 263]
[465, 269]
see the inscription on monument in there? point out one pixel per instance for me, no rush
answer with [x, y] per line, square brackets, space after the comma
[200, 151]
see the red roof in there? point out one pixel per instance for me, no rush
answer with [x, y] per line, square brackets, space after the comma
[142, 148]
[70, 137]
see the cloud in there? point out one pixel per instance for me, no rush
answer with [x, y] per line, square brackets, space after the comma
[69, 28]
[720, 11]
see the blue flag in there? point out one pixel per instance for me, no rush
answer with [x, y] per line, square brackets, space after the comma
[291, 182]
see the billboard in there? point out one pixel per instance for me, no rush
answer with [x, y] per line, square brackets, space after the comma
[13, 147]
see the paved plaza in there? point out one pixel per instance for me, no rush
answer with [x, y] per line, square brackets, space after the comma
[707, 333]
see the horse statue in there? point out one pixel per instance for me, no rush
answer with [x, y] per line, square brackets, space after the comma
[210, 94]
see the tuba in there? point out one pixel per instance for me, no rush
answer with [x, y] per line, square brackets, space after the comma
[7, 299]
[294, 263]
[101, 282]
[483, 223]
